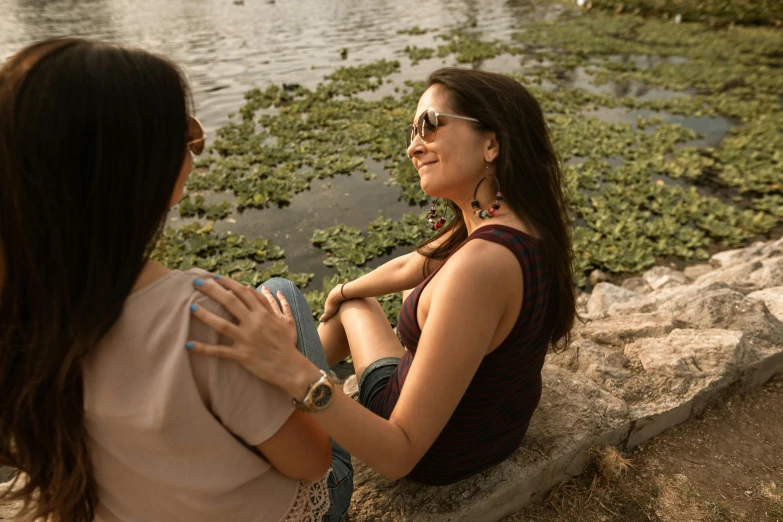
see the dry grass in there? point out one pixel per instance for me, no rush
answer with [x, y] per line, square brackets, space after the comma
[610, 463]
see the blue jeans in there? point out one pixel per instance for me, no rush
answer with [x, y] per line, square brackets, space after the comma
[340, 480]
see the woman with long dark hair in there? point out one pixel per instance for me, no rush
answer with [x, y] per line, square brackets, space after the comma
[491, 291]
[101, 411]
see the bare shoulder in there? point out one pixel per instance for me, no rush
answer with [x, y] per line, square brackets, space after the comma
[486, 263]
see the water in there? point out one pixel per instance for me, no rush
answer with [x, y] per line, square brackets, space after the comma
[227, 49]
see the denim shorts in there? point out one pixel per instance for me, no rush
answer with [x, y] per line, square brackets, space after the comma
[375, 379]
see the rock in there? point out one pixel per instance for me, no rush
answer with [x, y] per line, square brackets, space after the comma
[581, 303]
[351, 387]
[730, 275]
[770, 274]
[603, 365]
[597, 276]
[694, 272]
[773, 298]
[682, 374]
[604, 296]
[730, 258]
[668, 300]
[730, 310]
[664, 277]
[573, 415]
[622, 329]
[685, 355]
[636, 284]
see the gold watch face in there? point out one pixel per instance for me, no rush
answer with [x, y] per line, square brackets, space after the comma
[321, 396]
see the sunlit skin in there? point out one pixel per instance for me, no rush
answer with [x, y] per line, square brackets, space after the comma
[465, 312]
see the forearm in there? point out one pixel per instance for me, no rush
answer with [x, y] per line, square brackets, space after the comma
[377, 442]
[401, 273]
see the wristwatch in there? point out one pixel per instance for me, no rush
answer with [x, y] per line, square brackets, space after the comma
[318, 396]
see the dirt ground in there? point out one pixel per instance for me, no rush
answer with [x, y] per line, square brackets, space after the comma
[726, 465]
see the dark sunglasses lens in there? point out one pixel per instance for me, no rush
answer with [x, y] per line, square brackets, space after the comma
[409, 135]
[428, 123]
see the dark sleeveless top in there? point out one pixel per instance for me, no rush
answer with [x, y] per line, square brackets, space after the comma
[493, 415]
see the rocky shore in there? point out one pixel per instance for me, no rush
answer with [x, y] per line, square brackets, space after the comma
[650, 354]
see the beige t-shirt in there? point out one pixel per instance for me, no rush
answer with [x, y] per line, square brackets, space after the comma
[170, 431]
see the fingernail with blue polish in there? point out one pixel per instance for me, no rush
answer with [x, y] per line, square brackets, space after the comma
[216, 276]
[193, 308]
[189, 346]
[198, 282]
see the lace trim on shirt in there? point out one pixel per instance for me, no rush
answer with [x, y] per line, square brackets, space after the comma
[311, 501]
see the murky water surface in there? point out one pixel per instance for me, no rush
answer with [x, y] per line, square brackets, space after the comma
[227, 47]
[230, 46]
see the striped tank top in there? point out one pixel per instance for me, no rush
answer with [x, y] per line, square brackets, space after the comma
[493, 415]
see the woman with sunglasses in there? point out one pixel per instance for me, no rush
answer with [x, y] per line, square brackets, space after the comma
[102, 411]
[490, 292]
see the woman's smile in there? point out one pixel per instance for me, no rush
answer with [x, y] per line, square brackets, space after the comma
[426, 164]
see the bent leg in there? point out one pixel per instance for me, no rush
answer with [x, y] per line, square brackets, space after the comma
[307, 340]
[361, 327]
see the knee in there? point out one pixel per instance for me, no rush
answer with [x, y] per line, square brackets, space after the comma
[280, 284]
[360, 303]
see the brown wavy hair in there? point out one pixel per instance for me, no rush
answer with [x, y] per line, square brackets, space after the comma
[92, 141]
[529, 173]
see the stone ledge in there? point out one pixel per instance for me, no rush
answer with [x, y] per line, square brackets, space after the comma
[626, 378]
[554, 449]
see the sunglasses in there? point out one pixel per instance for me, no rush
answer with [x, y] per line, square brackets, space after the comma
[428, 125]
[197, 138]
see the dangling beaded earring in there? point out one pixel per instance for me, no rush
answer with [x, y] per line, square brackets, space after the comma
[490, 212]
[436, 225]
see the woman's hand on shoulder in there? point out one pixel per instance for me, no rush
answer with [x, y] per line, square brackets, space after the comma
[264, 333]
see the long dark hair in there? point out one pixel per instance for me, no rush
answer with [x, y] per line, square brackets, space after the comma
[528, 171]
[92, 141]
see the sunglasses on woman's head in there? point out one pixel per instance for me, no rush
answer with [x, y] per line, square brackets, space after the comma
[197, 139]
[428, 124]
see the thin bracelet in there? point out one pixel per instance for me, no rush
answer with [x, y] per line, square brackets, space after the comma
[341, 292]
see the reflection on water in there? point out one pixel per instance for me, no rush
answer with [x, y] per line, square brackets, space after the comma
[350, 200]
[710, 129]
[227, 49]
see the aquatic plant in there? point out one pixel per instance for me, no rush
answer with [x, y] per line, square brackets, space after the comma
[248, 261]
[638, 190]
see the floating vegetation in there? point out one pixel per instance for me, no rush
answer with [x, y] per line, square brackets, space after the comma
[248, 261]
[715, 13]
[465, 44]
[417, 54]
[639, 190]
[413, 31]
[347, 245]
[197, 207]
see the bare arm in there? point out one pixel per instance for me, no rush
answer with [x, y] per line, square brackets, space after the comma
[300, 449]
[456, 337]
[399, 274]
